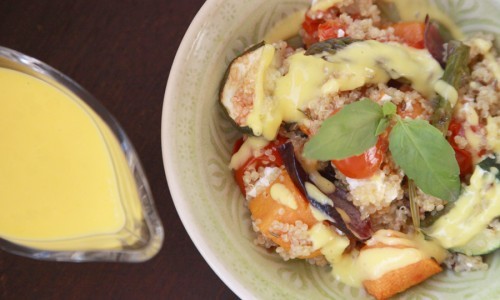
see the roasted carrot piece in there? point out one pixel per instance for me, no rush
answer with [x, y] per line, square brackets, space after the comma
[267, 210]
[399, 280]
[411, 33]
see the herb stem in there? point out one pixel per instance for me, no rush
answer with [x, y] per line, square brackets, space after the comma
[414, 208]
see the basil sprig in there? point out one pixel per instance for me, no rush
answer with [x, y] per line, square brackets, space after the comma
[417, 147]
[349, 132]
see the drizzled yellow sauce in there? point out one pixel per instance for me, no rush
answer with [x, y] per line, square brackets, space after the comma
[286, 27]
[330, 243]
[493, 133]
[310, 77]
[400, 250]
[64, 182]
[323, 4]
[248, 149]
[476, 207]
[281, 194]
[446, 91]
[373, 263]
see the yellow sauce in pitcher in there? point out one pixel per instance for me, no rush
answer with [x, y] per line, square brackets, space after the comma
[64, 182]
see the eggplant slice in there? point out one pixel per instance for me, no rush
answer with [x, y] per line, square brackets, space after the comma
[343, 214]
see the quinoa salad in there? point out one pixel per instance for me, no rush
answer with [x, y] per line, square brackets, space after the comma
[370, 143]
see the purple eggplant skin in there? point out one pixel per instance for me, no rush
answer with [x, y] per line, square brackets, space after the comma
[346, 217]
[433, 40]
[436, 35]
[362, 229]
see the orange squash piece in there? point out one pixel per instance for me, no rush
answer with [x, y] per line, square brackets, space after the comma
[399, 280]
[264, 208]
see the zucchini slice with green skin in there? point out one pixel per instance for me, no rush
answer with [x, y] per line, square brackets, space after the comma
[242, 129]
[242, 87]
[485, 242]
[467, 226]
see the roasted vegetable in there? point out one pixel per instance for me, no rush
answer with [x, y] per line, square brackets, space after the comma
[344, 215]
[267, 210]
[471, 214]
[484, 242]
[488, 239]
[435, 36]
[455, 73]
[242, 87]
[411, 33]
[329, 47]
[400, 280]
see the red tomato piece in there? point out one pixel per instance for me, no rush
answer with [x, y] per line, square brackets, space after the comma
[310, 27]
[330, 29]
[313, 20]
[463, 157]
[363, 165]
[456, 129]
[411, 33]
[272, 158]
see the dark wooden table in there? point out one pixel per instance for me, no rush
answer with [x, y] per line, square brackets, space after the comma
[121, 51]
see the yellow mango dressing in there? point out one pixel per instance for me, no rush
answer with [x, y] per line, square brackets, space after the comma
[64, 181]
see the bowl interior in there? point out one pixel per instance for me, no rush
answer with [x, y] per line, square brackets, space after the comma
[197, 142]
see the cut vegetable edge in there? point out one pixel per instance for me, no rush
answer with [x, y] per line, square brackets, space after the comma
[241, 104]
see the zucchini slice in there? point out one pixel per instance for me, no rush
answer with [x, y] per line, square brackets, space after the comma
[466, 227]
[243, 88]
[485, 242]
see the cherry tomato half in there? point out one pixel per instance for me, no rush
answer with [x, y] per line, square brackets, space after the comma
[271, 159]
[411, 33]
[363, 165]
[463, 157]
[330, 29]
[310, 27]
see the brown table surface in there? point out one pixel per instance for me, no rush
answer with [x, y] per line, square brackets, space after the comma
[121, 51]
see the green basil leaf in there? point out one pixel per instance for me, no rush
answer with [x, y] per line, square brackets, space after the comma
[351, 131]
[426, 157]
[389, 109]
[382, 126]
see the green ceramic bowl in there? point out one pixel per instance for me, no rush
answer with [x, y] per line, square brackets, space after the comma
[196, 144]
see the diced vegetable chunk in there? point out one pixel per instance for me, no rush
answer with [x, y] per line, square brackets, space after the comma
[266, 210]
[400, 280]
[411, 33]
[243, 88]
